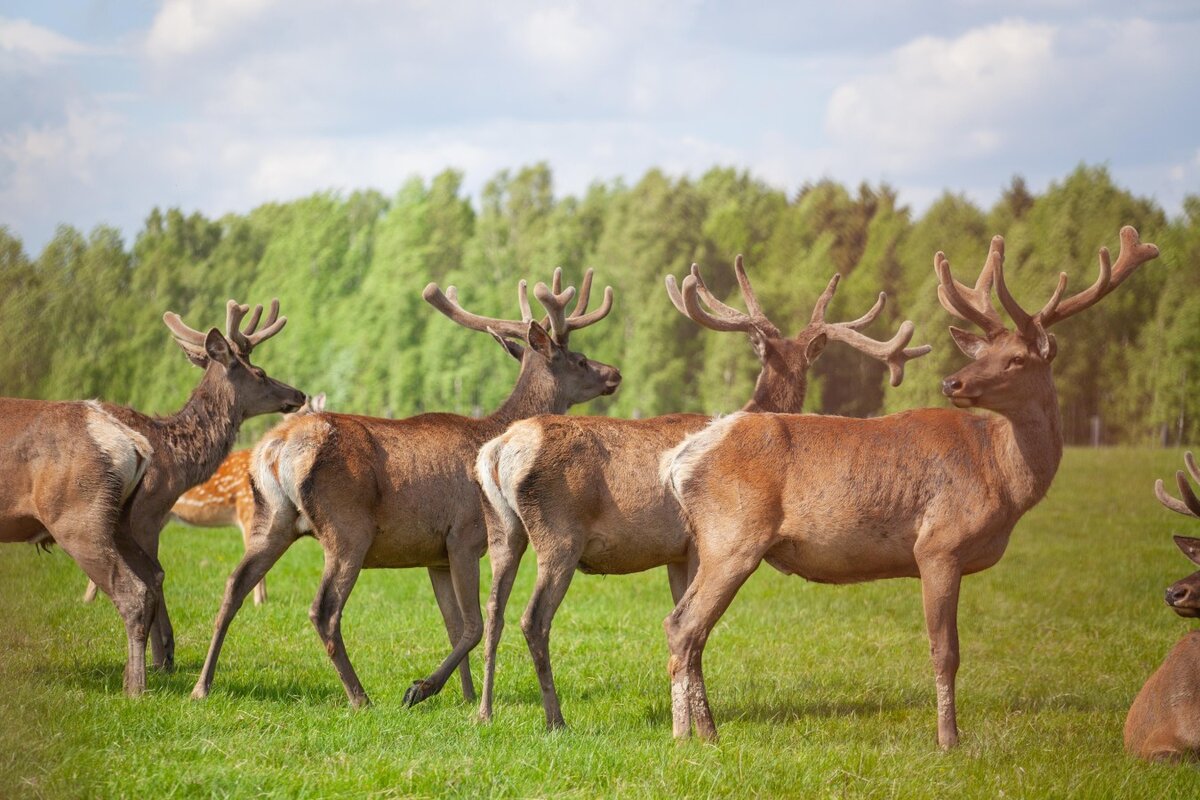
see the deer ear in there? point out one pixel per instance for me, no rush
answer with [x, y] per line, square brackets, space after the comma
[217, 347]
[512, 348]
[1190, 547]
[1047, 345]
[539, 340]
[816, 346]
[971, 345]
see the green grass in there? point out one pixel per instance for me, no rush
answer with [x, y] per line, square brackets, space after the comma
[818, 690]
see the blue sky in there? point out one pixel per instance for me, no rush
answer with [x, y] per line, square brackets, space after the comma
[111, 108]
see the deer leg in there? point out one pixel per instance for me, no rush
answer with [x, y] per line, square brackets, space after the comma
[117, 569]
[341, 572]
[264, 550]
[245, 523]
[677, 575]
[553, 580]
[505, 554]
[465, 550]
[162, 635]
[940, 580]
[688, 627]
[443, 590]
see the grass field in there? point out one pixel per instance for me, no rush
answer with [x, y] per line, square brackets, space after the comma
[818, 690]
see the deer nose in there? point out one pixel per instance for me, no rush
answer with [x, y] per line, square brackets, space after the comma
[951, 385]
[1176, 595]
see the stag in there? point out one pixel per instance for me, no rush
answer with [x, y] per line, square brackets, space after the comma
[223, 500]
[401, 493]
[1164, 720]
[931, 494]
[584, 490]
[99, 480]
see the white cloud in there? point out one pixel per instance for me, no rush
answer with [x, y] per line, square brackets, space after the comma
[939, 98]
[184, 27]
[22, 36]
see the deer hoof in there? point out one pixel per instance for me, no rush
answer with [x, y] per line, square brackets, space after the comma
[199, 692]
[417, 692]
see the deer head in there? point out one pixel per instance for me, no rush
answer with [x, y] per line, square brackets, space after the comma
[783, 379]
[226, 358]
[541, 347]
[1183, 596]
[1011, 366]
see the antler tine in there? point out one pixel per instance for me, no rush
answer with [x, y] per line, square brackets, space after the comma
[1190, 504]
[1131, 256]
[555, 302]
[1020, 317]
[188, 338]
[895, 352]
[234, 311]
[523, 301]
[274, 325]
[719, 316]
[822, 305]
[676, 297]
[971, 305]
[585, 293]
[692, 309]
[448, 305]
[747, 291]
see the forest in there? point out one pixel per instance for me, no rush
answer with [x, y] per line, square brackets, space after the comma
[82, 319]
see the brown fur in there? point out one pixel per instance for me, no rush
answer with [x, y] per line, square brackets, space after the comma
[932, 494]
[584, 491]
[100, 480]
[1164, 721]
[401, 493]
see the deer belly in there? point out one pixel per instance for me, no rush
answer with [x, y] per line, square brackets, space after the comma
[849, 558]
[624, 550]
[393, 550]
[22, 529]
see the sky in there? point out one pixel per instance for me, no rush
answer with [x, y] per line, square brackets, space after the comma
[109, 108]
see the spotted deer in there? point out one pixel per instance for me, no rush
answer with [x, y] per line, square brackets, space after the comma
[99, 480]
[1164, 721]
[224, 500]
[931, 494]
[382, 493]
[584, 491]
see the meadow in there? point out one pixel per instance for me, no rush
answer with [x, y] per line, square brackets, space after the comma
[819, 691]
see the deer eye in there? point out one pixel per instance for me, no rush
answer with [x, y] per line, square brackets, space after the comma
[1015, 361]
[258, 373]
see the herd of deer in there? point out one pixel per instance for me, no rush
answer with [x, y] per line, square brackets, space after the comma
[931, 494]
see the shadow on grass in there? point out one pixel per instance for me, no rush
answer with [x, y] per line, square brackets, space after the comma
[792, 710]
[107, 678]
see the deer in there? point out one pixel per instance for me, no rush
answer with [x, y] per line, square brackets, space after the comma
[1164, 721]
[223, 500]
[932, 493]
[99, 479]
[382, 493]
[584, 491]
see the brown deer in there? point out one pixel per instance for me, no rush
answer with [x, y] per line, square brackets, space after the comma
[100, 480]
[401, 493]
[931, 494]
[1164, 720]
[585, 491]
[224, 500]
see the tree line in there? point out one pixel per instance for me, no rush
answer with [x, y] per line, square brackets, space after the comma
[83, 318]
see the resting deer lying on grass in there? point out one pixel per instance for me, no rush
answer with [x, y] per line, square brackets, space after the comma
[1164, 720]
[401, 493]
[224, 500]
[99, 480]
[931, 494]
[585, 491]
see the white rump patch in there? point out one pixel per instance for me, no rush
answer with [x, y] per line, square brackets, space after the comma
[280, 463]
[502, 465]
[677, 464]
[128, 450]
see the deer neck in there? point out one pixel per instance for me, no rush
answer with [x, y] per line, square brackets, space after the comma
[1028, 446]
[201, 434]
[536, 393]
[775, 395]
